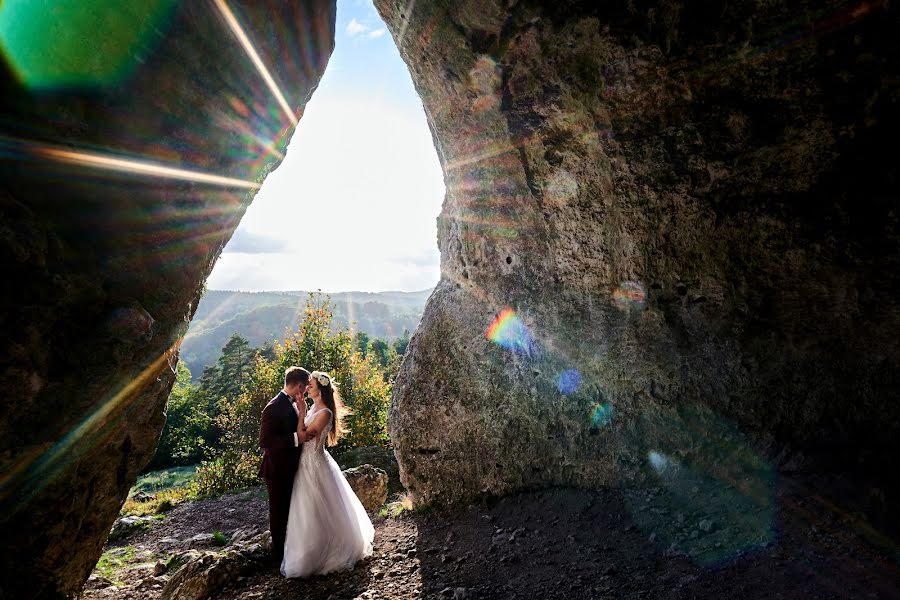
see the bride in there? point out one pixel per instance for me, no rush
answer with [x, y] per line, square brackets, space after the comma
[328, 529]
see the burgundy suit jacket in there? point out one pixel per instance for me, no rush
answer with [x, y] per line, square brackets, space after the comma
[276, 438]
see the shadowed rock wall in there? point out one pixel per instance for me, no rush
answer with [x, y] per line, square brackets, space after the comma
[692, 212]
[103, 268]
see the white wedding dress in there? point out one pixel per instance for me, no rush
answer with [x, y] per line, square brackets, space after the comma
[328, 528]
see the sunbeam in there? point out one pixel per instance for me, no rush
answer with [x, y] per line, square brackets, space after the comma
[108, 163]
[410, 6]
[238, 31]
[39, 468]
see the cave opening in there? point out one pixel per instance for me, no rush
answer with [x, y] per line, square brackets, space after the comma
[354, 203]
[350, 210]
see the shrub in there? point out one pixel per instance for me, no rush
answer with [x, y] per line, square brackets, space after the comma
[219, 539]
[233, 470]
[160, 502]
[369, 403]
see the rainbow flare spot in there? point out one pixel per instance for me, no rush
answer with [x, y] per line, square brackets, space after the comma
[55, 44]
[601, 415]
[508, 331]
[568, 381]
[629, 294]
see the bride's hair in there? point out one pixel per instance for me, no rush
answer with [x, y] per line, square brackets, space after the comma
[332, 399]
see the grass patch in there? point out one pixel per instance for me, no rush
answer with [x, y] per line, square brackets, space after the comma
[166, 489]
[156, 481]
[174, 562]
[161, 502]
[114, 560]
[254, 493]
[219, 539]
[121, 533]
[392, 510]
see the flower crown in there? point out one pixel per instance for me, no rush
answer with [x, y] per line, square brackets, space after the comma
[322, 378]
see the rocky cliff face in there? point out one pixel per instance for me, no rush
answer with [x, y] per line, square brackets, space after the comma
[105, 260]
[669, 245]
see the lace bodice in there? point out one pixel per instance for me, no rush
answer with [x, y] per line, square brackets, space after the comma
[318, 444]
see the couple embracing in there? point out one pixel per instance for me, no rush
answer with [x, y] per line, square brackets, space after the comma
[318, 524]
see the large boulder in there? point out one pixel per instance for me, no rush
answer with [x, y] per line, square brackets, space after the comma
[670, 235]
[377, 456]
[370, 485]
[126, 526]
[135, 135]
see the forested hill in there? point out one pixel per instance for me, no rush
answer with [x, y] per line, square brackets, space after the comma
[262, 317]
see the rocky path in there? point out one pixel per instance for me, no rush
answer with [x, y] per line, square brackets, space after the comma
[565, 544]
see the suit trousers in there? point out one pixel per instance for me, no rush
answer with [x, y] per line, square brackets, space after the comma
[279, 489]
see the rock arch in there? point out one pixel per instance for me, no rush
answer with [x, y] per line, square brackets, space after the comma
[680, 223]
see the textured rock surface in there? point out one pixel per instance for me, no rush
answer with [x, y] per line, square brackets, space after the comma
[370, 485]
[693, 212]
[204, 574]
[103, 269]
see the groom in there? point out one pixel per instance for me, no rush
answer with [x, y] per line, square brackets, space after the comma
[281, 452]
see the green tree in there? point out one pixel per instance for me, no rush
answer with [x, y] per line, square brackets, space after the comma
[402, 343]
[382, 352]
[361, 342]
[188, 429]
[234, 366]
[316, 346]
[267, 351]
[371, 396]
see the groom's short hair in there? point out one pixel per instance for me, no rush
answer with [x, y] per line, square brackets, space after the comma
[295, 375]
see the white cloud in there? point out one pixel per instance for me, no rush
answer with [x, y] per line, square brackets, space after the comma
[318, 268]
[376, 34]
[355, 28]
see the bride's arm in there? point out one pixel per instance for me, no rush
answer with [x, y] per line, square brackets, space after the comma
[301, 427]
[315, 428]
[301, 408]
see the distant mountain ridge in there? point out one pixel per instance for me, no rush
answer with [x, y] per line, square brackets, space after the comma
[262, 317]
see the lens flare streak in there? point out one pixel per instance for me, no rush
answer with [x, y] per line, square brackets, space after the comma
[108, 163]
[38, 470]
[239, 33]
[408, 12]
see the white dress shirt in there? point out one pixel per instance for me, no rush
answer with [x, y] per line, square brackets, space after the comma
[296, 410]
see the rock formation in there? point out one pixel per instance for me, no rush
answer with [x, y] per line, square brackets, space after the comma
[106, 252]
[669, 244]
[370, 485]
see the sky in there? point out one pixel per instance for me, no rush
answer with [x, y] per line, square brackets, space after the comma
[353, 206]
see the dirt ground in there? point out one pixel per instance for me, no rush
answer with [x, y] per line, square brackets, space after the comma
[560, 543]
